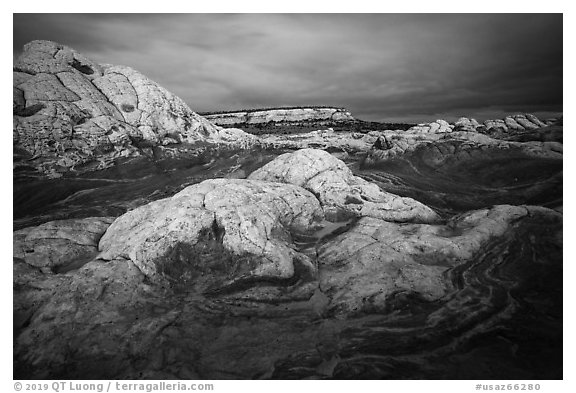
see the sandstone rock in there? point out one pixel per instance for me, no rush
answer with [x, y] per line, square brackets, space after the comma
[97, 309]
[363, 268]
[490, 124]
[218, 234]
[466, 124]
[70, 111]
[438, 126]
[460, 145]
[382, 143]
[340, 192]
[535, 120]
[512, 124]
[56, 244]
[524, 122]
[52, 58]
[279, 115]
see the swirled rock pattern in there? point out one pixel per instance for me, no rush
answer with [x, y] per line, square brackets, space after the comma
[420, 294]
[432, 253]
[451, 173]
[376, 260]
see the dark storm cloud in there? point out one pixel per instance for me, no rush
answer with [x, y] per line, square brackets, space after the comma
[380, 66]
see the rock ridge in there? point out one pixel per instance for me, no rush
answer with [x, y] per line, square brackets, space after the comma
[280, 115]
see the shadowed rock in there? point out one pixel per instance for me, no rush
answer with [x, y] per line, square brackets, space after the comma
[60, 245]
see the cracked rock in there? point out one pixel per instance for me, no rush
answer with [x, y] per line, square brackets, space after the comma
[335, 186]
[240, 228]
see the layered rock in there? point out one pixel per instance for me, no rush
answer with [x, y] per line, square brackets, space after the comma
[58, 245]
[466, 124]
[365, 267]
[219, 280]
[460, 144]
[518, 122]
[280, 115]
[438, 126]
[218, 235]
[69, 111]
[340, 192]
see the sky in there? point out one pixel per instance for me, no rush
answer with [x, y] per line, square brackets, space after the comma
[381, 67]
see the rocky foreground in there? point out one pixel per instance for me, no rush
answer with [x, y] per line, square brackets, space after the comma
[429, 253]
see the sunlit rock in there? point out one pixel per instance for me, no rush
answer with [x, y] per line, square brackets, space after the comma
[340, 192]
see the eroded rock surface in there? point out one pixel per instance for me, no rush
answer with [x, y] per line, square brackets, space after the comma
[229, 231]
[438, 126]
[340, 192]
[280, 115]
[236, 278]
[303, 270]
[57, 245]
[375, 261]
[70, 112]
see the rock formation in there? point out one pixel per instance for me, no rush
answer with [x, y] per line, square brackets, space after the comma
[340, 192]
[279, 115]
[466, 124]
[60, 244]
[365, 267]
[518, 122]
[202, 284]
[223, 231]
[70, 112]
[438, 126]
[434, 252]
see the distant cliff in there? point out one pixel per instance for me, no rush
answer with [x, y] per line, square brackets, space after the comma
[313, 114]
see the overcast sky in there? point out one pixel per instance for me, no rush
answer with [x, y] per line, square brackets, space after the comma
[387, 67]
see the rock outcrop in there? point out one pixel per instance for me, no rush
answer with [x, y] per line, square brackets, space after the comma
[219, 235]
[70, 111]
[461, 144]
[438, 126]
[60, 245]
[518, 122]
[437, 255]
[374, 261]
[341, 194]
[513, 123]
[280, 115]
[466, 124]
[245, 278]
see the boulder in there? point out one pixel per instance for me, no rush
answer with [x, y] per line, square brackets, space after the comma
[219, 235]
[341, 193]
